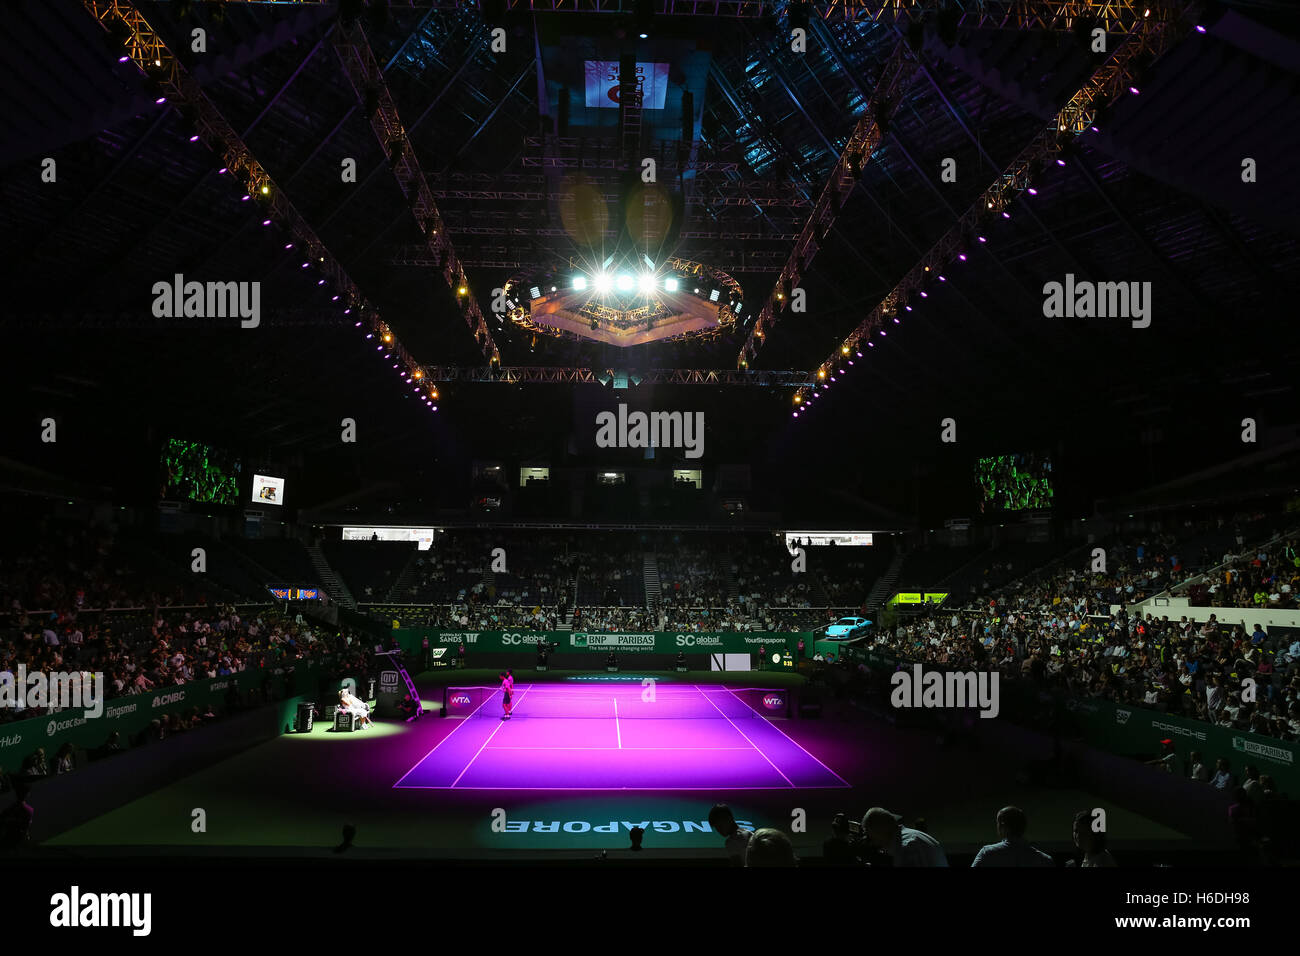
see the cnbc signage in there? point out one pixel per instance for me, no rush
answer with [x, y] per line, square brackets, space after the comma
[918, 597]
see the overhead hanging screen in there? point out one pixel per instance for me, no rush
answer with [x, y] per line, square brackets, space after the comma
[602, 84]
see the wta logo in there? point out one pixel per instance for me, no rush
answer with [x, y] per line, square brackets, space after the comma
[773, 701]
[459, 700]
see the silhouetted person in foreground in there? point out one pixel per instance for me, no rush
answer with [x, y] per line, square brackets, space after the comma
[770, 847]
[349, 834]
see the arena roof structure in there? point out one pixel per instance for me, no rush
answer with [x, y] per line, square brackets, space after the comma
[891, 186]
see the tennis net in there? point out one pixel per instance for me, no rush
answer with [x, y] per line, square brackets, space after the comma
[719, 704]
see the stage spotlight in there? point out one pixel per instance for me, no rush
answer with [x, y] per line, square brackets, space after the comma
[603, 283]
[624, 283]
[646, 283]
[580, 282]
[670, 284]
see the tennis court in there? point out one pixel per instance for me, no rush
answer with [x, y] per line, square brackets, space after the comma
[619, 737]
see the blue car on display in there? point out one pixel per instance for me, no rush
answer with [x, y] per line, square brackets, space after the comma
[847, 628]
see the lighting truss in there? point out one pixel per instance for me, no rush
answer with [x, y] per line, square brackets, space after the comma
[1119, 17]
[1114, 16]
[367, 79]
[1106, 84]
[898, 72]
[560, 375]
[151, 56]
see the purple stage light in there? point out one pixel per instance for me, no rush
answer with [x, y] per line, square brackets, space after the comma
[1200, 28]
[981, 239]
[223, 170]
[194, 138]
[1005, 214]
[334, 298]
[266, 222]
[924, 294]
[1032, 191]
[1135, 91]
[897, 320]
[123, 58]
[245, 198]
[1059, 162]
[369, 335]
[961, 256]
[161, 100]
[943, 278]
[348, 311]
[320, 282]
[288, 245]
[859, 355]
[908, 308]
[306, 264]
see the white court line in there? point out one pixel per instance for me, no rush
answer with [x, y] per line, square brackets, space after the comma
[480, 749]
[750, 742]
[617, 732]
[793, 741]
[746, 749]
[463, 721]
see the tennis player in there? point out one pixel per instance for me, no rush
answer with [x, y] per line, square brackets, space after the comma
[507, 689]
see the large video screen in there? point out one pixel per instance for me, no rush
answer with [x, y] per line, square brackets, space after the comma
[268, 490]
[1014, 482]
[602, 84]
[193, 471]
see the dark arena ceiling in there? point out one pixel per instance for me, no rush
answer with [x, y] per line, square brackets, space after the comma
[990, 143]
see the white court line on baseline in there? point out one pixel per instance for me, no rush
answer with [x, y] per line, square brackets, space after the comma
[751, 743]
[480, 749]
[462, 723]
[746, 749]
[792, 740]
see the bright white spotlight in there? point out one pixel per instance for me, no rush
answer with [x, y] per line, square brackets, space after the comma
[580, 282]
[646, 284]
[625, 283]
[603, 283]
[670, 284]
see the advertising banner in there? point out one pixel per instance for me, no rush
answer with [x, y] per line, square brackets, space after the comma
[130, 715]
[581, 642]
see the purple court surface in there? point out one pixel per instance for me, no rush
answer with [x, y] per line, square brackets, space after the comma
[610, 737]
